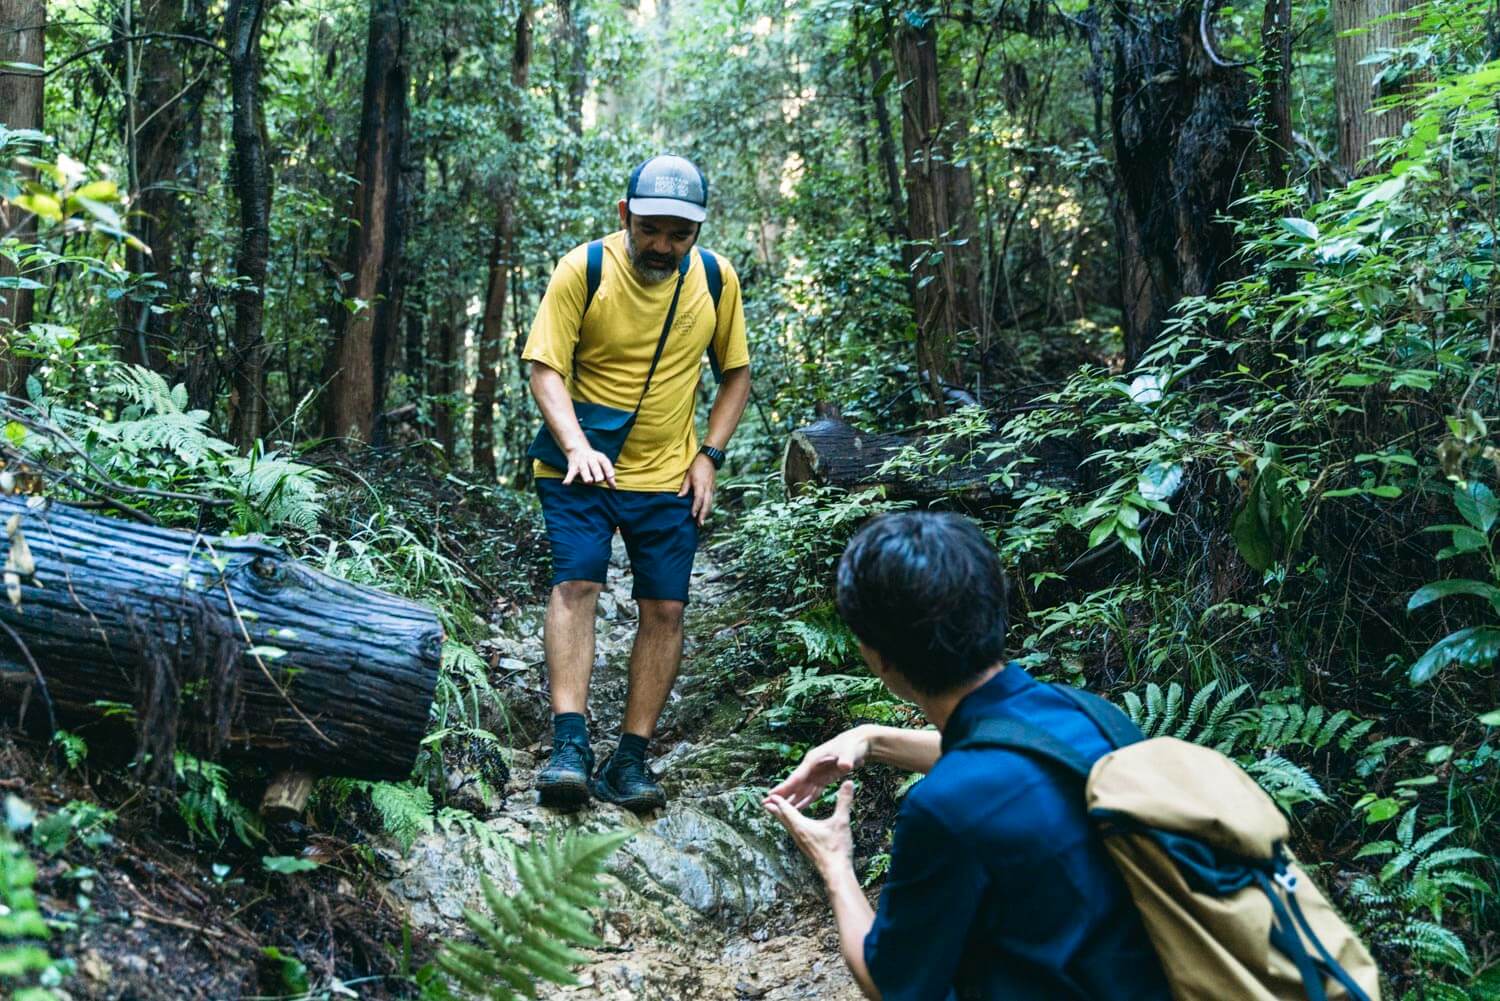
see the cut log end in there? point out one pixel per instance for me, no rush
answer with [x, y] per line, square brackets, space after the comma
[286, 796]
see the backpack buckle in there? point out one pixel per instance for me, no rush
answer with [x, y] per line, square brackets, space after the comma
[1286, 880]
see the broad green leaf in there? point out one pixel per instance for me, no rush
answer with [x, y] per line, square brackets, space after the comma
[1159, 481]
[1491, 718]
[1250, 536]
[1300, 227]
[1477, 646]
[1437, 590]
[287, 864]
[1478, 505]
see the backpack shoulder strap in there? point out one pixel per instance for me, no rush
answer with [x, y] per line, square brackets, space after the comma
[1104, 714]
[1033, 741]
[1018, 735]
[593, 272]
[714, 275]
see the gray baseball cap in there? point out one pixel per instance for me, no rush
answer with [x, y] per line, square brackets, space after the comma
[668, 185]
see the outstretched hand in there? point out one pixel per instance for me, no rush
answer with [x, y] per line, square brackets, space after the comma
[821, 767]
[828, 844]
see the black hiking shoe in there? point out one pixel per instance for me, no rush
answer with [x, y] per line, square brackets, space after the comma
[626, 782]
[564, 783]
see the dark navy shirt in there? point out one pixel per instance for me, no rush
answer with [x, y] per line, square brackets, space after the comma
[997, 884]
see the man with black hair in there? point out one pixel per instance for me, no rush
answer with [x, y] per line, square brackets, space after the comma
[997, 886]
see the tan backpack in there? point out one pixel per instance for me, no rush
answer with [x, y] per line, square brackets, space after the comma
[1202, 850]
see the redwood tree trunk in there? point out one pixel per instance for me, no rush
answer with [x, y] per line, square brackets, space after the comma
[243, 21]
[1178, 154]
[1359, 33]
[575, 36]
[351, 370]
[502, 250]
[171, 86]
[22, 32]
[940, 292]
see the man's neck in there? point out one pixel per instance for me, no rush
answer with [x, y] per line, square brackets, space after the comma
[939, 708]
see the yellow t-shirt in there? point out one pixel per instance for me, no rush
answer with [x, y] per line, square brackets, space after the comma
[613, 354]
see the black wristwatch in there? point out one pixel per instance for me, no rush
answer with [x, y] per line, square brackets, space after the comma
[715, 455]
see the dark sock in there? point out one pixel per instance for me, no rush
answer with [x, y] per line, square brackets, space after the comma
[570, 726]
[632, 747]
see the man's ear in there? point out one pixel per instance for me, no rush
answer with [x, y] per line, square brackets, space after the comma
[624, 214]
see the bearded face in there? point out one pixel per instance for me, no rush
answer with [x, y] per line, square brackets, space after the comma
[657, 244]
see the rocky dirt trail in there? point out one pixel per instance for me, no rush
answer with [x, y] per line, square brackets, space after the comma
[709, 899]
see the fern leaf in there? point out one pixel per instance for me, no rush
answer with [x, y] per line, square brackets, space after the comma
[1196, 709]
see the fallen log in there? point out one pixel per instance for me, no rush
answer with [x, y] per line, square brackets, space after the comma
[215, 645]
[830, 452]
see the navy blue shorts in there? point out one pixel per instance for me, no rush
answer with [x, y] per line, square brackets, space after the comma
[660, 535]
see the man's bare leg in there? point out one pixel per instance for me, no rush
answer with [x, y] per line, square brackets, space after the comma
[569, 642]
[568, 639]
[654, 661]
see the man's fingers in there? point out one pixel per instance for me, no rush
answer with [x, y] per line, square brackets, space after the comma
[608, 469]
[845, 800]
[572, 474]
[687, 485]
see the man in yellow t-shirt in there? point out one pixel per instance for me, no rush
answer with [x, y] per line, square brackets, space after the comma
[594, 339]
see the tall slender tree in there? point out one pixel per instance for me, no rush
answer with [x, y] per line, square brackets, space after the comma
[163, 132]
[1361, 30]
[243, 24]
[22, 44]
[351, 369]
[502, 251]
[945, 301]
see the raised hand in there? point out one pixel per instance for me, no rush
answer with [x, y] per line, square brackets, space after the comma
[821, 767]
[828, 844]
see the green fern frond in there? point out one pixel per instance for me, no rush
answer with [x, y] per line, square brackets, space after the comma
[529, 937]
[147, 390]
[1285, 781]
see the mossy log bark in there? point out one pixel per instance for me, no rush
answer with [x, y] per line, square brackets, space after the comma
[218, 645]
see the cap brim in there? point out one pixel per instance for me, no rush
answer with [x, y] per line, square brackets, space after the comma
[667, 206]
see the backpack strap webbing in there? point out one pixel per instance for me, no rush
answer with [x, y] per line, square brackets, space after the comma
[1019, 735]
[715, 278]
[593, 271]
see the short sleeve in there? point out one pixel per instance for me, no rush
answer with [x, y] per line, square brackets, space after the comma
[729, 349]
[554, 331]
[933, 888]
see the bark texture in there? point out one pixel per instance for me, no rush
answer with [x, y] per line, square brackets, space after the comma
[502, 253]
[946, 299]
[1181, 129]
[1359, 32]
[830, 452]
[171, 86]
[351, 369]
[127, 613]
[22, 40]
[243, 22]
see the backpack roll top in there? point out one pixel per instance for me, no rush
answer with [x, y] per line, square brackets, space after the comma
[1201, 850]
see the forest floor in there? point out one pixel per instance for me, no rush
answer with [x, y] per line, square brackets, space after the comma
[709, 899]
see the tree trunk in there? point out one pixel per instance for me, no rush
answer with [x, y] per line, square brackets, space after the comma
[22, 40]
[1179, 140]
[350, 370]
[443, 376]
[220, 645]
[1276, 90]
[243, 21]
[575, 37]
[170, 88]
[890, 167]
[939, 289]
[502, 250]
[1358, 33]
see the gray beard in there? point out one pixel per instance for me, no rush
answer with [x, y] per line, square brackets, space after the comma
[646, 273]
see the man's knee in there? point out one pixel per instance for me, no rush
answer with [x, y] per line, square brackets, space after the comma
[576, 595]
[659, 614]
